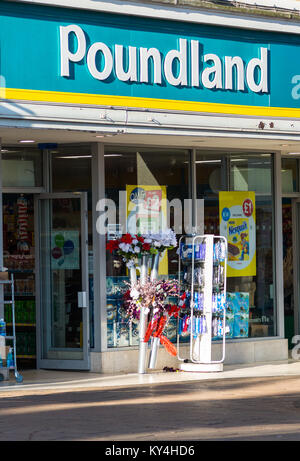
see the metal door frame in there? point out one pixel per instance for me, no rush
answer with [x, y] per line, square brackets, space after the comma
[84, 363]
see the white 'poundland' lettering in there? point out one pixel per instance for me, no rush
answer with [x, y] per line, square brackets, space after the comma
[230, 73]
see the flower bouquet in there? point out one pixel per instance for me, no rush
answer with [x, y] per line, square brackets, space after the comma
[152, 296]
[138, 252]
[132, 247]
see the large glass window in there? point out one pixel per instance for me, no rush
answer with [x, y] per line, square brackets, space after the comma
[71, 169]
[21, 167]
[240, 173]
[142, 169]
[290, 175]
[211, 177]
[150, 174]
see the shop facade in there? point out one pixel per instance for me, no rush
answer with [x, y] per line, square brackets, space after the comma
[102, 111]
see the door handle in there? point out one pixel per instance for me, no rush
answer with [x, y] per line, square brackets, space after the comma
[82, 299]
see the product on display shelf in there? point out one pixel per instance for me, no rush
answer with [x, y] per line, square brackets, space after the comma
[238, 307]
[19, 262]
[229, 324]
[26, 343]
[122, 334]
[23, 286]
[202, 277]
[217, 327]
[241, 326]
[186, 251]
[171, 330]
[9, 359]
[2, 327]
[119, 332]
[25, 312]
[22, 225]
[111, 310]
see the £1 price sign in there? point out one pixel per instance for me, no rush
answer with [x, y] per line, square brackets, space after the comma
[248, 207]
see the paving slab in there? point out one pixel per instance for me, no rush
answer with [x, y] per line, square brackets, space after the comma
[34, 380]
[243, 403]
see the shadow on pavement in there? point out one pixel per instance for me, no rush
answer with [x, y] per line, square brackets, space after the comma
[231, 409]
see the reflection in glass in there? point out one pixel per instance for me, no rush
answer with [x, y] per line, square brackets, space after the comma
[21, 167]
[251, 173]
[289, 175]
[244, 172]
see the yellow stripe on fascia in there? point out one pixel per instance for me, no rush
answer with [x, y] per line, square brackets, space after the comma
[149, 103]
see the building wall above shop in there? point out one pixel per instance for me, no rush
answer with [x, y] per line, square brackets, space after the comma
[275, 15]
[259, 7]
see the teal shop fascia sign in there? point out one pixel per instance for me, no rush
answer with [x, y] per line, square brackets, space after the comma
[73, 56]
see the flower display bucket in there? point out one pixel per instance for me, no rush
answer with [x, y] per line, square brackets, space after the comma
[143, 318]
[132, 273]
[155, 266]
[153, 354]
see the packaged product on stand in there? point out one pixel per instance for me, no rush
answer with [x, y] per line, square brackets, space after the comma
[2, 327]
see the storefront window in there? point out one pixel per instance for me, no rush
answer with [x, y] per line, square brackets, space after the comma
[151, 174]
[21, 167]
[251, 173]
[71, 169]
[250, 236]
[211, 177]
[290, 175]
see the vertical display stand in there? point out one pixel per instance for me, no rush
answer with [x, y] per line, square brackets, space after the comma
[202, 284]
[11, 302]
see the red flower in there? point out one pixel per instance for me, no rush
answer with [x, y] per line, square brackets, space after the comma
[174, 310]
[112, 245]
[126, 238]
[139, 238]
[127, 295]
[146, 246]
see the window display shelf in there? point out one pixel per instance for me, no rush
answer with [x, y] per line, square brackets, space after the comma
[21, 271]
[22, 324]
[187, 262]
[26, 295]
[27, 356]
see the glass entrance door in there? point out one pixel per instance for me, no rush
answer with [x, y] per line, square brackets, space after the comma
[62, 279]
[296, 265]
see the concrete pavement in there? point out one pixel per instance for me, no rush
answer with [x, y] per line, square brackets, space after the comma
[253, 402]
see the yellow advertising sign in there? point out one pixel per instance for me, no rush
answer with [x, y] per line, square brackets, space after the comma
[238, 225]
[147, 213]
